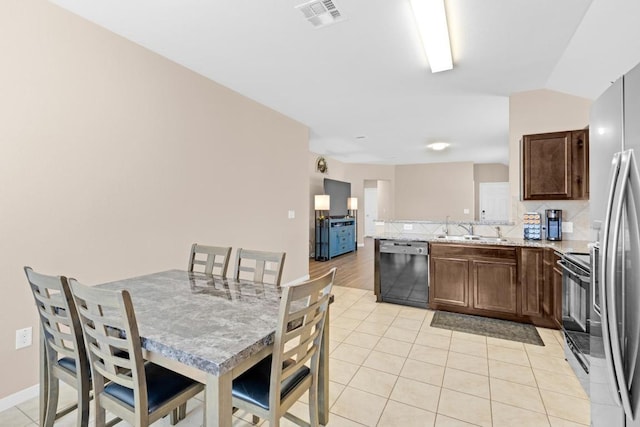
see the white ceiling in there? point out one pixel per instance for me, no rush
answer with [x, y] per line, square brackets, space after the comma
[367, 76]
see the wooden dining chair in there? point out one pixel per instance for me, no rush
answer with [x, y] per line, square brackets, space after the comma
[62, 352]
[272, 386]
[139, 392]
[259, 266]
[216, 259]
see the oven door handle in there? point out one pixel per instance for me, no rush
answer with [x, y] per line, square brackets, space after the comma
[595, 253]
[572, 273]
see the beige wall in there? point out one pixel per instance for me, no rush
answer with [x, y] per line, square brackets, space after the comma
[113, 160]
[420, 189]
[487, 172]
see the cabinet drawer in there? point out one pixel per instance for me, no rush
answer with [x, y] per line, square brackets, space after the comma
[340, 249]
[473, 251]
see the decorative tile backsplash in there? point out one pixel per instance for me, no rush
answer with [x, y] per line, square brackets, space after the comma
[575, 211]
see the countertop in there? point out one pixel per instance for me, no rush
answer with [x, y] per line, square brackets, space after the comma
[562, 247]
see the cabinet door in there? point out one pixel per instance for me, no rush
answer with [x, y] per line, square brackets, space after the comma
[494, 285]
[532, 281]
[557, 293]
[547, 291]
[580, 162]
[547, 166]
[449, 281]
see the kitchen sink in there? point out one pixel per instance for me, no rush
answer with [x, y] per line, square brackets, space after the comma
[468, 237]
[459, 238]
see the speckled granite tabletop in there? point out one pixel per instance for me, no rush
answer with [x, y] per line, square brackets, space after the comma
[204, 321]
[562, 247]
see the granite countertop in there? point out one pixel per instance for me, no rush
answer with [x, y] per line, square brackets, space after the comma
[562, 247]
[204, 321]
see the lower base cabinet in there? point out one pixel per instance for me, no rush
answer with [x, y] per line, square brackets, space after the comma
[505, 282]
[449, 281]
[494, 285]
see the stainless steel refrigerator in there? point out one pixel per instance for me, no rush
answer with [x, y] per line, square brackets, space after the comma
[614, 132]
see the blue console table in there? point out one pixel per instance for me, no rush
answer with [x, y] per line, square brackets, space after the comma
[335, 236]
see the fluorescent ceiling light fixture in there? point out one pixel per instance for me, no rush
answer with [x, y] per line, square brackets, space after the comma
[438, 146]
[431, 20]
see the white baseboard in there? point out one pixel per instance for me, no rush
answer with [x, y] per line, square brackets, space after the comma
[19, 397]
[298, 280]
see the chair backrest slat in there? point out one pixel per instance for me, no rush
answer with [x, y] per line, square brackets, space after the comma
[259, 266]
[216, 259]
[300, 324]
[101, 313]
[58, 318]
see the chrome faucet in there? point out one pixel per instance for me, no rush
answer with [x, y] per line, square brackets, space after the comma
[468, 229]
[446, 225]
[498, 231]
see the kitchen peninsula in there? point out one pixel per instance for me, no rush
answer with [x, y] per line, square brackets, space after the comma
[506, 278]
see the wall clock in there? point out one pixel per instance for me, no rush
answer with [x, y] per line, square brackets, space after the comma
[321, 165]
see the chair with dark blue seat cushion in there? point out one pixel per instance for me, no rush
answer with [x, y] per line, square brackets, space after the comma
[62, 351]
[138, 392]
[273, 385]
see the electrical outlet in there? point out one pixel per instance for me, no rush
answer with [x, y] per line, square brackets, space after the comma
[24, 337]
[567, 227]
[466, 211]
[407, 227]
[292, 214]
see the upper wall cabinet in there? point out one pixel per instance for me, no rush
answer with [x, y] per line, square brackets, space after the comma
[555, 166]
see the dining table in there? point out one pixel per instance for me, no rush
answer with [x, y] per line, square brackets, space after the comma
[211, 329]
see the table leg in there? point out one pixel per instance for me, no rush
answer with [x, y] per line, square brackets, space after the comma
[323, 375]
[218, 407]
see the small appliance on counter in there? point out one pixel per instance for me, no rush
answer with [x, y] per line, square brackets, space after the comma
[554, 224]
[532, 226]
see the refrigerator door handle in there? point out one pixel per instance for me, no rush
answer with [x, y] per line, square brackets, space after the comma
[633, 209]
[604, 254]
[616, 348]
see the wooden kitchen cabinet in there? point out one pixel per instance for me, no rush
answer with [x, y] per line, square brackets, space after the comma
[557, 291]
[555, 166]
[506, 282]
[494, 285]
[552, 303]
[532, 281]
[449, 282]
[473, 279]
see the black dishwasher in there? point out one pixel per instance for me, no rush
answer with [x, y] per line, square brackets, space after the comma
[404, 272]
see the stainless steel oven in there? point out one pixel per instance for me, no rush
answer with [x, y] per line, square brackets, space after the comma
[404, 272]
[576, 306]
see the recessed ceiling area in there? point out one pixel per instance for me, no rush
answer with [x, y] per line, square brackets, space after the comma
[366, 74]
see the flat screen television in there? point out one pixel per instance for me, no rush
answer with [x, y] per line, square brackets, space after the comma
[338, 192]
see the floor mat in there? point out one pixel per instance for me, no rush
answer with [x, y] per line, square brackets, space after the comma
[479, 325]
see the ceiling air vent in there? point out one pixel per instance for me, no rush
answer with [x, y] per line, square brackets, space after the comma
[320, 12]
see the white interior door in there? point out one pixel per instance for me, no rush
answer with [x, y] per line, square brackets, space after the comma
[370, 210]
[494, 200]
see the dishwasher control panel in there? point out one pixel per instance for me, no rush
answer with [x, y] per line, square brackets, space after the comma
[401, 247]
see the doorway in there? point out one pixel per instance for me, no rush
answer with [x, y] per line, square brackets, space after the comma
[370, 211]
[494, 201]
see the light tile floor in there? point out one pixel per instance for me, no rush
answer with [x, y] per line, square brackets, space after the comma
[389, 367]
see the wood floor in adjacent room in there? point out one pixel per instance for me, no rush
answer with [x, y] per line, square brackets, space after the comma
[355, 269]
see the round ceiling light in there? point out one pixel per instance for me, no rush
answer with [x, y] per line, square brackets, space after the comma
[438, 146]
